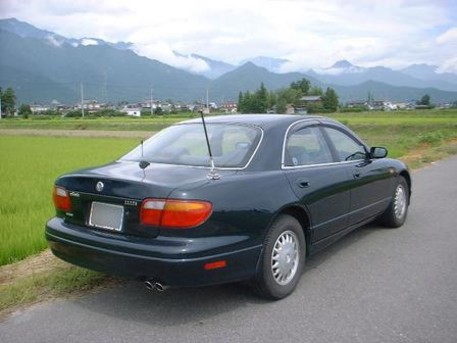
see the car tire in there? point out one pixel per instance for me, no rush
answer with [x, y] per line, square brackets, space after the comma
[396, 213]
[282, 259]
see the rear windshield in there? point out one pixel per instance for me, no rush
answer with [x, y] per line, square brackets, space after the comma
[232, 146]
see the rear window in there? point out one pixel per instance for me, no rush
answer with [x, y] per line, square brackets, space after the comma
[232, 146]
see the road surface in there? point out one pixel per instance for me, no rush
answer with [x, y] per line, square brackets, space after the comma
[374, 285]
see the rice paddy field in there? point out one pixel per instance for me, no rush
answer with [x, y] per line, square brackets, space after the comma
[30, 164]
[28, 168]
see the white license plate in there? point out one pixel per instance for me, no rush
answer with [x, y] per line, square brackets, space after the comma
[106, 216]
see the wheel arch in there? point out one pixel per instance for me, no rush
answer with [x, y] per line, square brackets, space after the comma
[405, 174]
[302, 216]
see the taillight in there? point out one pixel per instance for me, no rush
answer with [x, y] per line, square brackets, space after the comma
[179, 214]
[61, 199]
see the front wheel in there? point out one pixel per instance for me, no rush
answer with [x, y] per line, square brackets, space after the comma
[396, 213]
[282, 259]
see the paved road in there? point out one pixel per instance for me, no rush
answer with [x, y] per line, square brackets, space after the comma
[375, 285]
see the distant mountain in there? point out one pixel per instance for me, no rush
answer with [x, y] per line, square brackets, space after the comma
[342, 67]
[25, 30]
[248, 77]
[346, 74]
[383, 91]
[42, 72]
[271, 64]
[43, 66]
[429, 72]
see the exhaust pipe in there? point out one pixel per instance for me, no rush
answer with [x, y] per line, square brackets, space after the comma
[160, 288]
[155, 286]
[149, 285]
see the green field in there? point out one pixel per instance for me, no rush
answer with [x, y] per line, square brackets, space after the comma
[29, 165]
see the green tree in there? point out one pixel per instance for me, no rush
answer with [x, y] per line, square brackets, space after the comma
[8, 101]
[281, 105]
[25, 110]
[261, 100]
[314, 90]
[330, 100]
[425, 100]
[257, 102]
[240, 101]
[302, 85]
[290, 95]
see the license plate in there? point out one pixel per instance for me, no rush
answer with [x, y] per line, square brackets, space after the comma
[106, 216]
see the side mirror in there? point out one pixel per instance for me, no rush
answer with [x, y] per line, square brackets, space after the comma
[378, 152]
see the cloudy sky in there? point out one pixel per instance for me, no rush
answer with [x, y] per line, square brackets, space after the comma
[308, 33]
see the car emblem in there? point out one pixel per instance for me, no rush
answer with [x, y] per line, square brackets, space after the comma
[99, 186]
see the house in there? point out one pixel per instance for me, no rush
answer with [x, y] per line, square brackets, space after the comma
[132, 111]
[39, 108]
[229, 107]
[307, 101]
[311, 99]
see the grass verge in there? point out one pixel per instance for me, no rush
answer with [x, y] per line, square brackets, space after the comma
[44, 277]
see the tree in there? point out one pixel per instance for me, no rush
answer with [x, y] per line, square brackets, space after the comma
[257, 102]
[425, 100]
[8, 101]
[330, 100]
[25, 111]
[302, 85]
[281, 105]
[261, 100]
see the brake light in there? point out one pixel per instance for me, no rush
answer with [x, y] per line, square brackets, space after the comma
[179, 214]
[61, 199]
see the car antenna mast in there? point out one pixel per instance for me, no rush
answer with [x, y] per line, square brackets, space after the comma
[212, 175]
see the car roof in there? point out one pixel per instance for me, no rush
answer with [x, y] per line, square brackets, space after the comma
[264, 121]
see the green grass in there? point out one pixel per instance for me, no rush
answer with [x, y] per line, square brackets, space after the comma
[29, 165]
[60, 281]
[28, 168]
[402, 131]
[114, 124]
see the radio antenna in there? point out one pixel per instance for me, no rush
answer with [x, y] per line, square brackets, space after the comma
[212, 175]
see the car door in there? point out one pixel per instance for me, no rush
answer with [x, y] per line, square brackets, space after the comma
[319, 183]
[370, 180]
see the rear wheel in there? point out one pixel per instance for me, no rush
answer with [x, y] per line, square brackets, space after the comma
[282, 259]
[396, 213]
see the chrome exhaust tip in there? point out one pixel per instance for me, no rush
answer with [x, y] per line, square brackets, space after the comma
[149, 285]
[155, 286]
[160, 288]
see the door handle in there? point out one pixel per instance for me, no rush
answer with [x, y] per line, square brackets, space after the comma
[303, 183]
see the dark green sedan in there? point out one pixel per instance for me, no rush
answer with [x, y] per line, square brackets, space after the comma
[242, 198]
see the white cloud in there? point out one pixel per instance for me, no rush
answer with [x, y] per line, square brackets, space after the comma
[162, 52]
[449, 66]
[88, 41]
[448, 37]
[309, 33]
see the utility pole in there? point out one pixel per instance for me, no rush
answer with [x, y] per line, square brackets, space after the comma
[82, 100]
[152, 110]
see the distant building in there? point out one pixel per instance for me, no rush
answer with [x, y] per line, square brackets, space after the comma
[305, 102]
[229, 107]
[39, 108]
[132, 111]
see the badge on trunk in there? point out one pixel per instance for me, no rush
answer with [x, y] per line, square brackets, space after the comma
[99, 186]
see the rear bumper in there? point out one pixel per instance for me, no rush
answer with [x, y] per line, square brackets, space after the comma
[172, 261]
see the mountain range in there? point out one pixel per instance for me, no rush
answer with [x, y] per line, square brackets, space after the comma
[43, 66]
